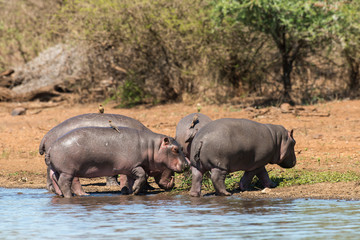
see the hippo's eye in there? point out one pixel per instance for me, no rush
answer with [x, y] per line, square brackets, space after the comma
[182, 149]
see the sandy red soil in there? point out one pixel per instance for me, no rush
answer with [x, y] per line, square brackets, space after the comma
[327, 137]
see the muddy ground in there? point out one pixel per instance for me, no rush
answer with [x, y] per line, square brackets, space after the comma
[327, 136]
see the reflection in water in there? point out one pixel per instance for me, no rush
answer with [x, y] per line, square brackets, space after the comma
[37, 214]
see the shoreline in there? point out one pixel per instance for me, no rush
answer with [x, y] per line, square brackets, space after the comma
[349, 191]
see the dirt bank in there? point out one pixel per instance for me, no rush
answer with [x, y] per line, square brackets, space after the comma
[327, 138]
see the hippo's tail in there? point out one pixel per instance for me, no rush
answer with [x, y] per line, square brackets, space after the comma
[197, 152]
[47, 157]
[42, 146]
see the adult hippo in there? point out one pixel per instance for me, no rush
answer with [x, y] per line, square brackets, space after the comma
[187, 128]
[165, 179]
[97, 151]
[228, 145]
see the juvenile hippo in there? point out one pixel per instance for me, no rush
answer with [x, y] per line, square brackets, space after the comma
[98, 120]
[228, 145]
[187, 128]
[96, 151]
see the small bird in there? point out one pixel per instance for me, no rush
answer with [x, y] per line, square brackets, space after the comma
[101, 109]
[198, 106]
[194, 121]
[113, 126]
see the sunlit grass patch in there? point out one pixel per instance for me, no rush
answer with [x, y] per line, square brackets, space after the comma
[283, 178]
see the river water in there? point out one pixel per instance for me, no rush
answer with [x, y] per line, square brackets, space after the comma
[38, 214]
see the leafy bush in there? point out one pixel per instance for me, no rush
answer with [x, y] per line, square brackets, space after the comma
[180, 48]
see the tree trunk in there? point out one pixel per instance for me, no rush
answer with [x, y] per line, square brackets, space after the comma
[287, 68]
[287, 62]
[354, 75]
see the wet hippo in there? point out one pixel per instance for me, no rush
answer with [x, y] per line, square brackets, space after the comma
[98, 120]
[97, 151]
[187, 128]
[228, 145]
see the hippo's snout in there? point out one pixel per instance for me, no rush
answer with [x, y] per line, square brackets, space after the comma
[288, 162]
[182, 164]
[187, 163]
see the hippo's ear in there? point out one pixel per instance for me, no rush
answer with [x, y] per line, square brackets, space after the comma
[166, 141]
[291, 135]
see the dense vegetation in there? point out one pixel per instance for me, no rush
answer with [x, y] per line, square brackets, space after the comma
[213, 50]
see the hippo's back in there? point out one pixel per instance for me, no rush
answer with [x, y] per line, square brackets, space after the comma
[227, 139]
[93, 147]
[87, 120]
[198, 120]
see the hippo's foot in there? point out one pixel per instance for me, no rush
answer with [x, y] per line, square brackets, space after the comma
[49, 184]
[112, 181]
[194, 193]
[126, 184]
[264, 178]
[82, 194]
[50, 187]
[165, 180]
[64, 182]
[196, 182]
[223, 193]
[125, 190]
[218, 179]
[76, 187]
[140, 178]
[246, 180]
[270, 184]
[243, 187]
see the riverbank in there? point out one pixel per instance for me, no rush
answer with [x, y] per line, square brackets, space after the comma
[327, 137]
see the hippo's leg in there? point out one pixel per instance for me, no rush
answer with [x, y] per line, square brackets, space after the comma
[76, 187]
[165, 179]
[247, 179]
[49, 183]
[124, 184]
[64, 182]
[218, 179]
[140, 179]
[196, 182]
[263, 176]
[54, 177]
[112, 181]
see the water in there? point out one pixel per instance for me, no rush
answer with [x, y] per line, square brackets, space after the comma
[37, 214]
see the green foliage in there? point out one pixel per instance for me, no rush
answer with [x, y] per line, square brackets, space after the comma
[25, 30]
[293, 20]
[159, 41]
[292, 177]
[347, 30]
[283, 178]
[130, 94]
[294, 26]
[210, 49]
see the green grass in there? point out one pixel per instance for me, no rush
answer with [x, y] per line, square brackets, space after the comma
[293, 177]
[5, 154]
[282, 177]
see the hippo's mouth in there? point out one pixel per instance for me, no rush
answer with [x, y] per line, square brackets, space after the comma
[188, 162]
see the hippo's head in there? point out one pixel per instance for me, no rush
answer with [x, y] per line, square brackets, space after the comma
[171, 155]
[287, 151]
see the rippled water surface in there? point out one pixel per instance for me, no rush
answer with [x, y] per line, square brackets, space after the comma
[37, 214]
